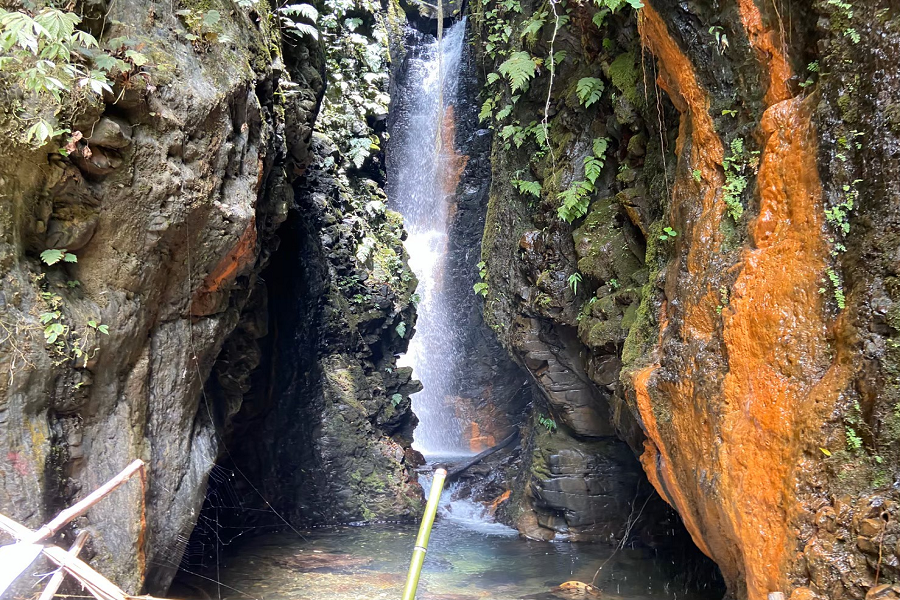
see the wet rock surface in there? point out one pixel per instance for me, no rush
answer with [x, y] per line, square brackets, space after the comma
[170, 202]
[730, 305]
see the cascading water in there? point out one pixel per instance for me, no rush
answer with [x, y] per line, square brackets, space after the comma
[421, 162]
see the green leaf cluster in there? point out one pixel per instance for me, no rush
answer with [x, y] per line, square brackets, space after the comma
[481, 288]
[574, 201]
[55, 255]
[44, 54]
[589, 90]
[608, 7]
[288, 16]
[735, 179]
[532, 188]
[518, 69]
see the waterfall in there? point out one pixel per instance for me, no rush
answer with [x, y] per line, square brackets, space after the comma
[421, 171]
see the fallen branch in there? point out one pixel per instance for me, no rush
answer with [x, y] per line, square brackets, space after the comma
[98, 585]
[456, 471]
[79, 508]
[59, 575]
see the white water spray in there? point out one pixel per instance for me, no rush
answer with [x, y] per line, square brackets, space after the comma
[417, 162]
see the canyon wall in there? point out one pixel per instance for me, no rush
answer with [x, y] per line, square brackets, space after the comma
[146, 340]
[721, 284]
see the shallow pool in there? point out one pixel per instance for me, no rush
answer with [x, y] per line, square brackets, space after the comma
[466, 560]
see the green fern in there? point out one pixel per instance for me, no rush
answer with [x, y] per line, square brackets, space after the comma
[487, 110]
[527, 187]
[305, 11]
[532, 26]
[610, 6]
[519, 69]
[574, 201]
[589, 90]
[504, 112]
[592, 168]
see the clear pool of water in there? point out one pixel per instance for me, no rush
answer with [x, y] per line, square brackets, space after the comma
[465, 561]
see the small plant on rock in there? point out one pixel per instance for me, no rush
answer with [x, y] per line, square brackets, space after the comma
[481, 288]
[574, 280]
[46, 56]
[548, 423]
[52, 256]
[668, 234]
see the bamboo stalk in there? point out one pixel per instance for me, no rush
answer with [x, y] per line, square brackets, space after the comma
[59, 575]
[421, 547]
[79, 508]
[99, 586]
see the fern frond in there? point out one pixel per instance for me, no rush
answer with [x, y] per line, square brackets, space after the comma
[589, 90]
[307, 11]
[519, 69]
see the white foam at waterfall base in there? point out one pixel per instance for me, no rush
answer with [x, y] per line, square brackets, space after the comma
[464, 512]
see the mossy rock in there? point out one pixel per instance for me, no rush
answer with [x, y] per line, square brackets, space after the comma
[624, 74]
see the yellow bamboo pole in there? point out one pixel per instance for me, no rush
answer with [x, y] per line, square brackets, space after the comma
[418, 557]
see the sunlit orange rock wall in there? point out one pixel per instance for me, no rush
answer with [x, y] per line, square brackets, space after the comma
[738, 396]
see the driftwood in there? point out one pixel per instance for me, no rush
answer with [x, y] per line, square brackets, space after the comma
[99, 586]
[459, 469]
[58, 576]
[79, 508]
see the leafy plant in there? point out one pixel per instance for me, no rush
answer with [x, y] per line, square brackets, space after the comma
[47, 57]
[527, 187]
[593, 165]
[574, 201]
[611, 6]
[854, 442]
[52, 256]
[668, 234]
[838, 288]
[533, 25]
[288, 13]
[548, 423]
[202, 26]
[401, 329]
[396, 399]
[721, 38]
[735, 179]
[574, 280]
[93, 324]
[481, 288]
[589, 90]
[519, 69]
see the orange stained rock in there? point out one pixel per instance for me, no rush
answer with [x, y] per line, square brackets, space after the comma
[495, 504]
[694, 204]
[723, 447]
[479, 441]
[782, 376]
[730, 471]
[452, 163]
[242, 254]
[768, 46]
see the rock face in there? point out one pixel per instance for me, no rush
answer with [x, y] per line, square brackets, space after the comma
[171, 216]
[735, 255]
[325, 424]
[170, 201]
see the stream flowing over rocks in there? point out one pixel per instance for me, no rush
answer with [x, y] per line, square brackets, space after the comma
[670, 262]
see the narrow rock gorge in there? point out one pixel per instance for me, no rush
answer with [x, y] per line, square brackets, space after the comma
[664, 278]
